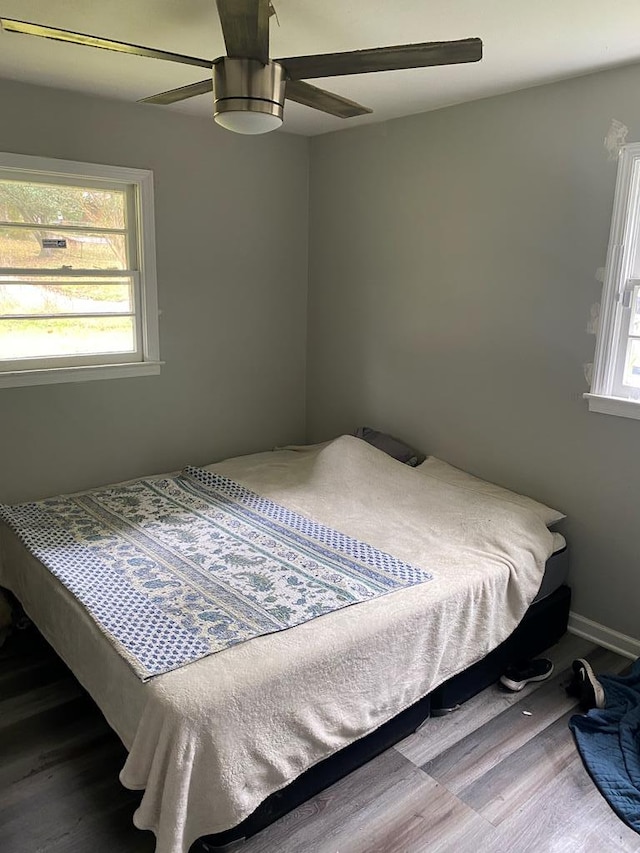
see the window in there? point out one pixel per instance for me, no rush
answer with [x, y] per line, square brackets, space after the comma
[77, 272]
[616, 374]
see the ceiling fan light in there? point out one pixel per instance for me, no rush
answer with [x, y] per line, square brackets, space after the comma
[247, 121]
[249, 96]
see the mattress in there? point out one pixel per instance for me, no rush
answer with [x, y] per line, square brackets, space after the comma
[213, 739]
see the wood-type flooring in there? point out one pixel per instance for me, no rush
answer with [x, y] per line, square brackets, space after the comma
[489, 778]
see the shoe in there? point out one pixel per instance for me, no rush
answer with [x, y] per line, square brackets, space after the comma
[517, 676]
[586, 686]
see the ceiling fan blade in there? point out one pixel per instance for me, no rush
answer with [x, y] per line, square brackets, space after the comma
[180, 94]
[26, 28]
[245, 26]
[326, 102]
[383, 59]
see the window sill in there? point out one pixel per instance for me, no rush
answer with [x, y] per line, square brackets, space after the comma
[613, 406]
[19, 378]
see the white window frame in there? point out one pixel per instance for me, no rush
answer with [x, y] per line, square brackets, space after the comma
[138, 186]
[608, 394]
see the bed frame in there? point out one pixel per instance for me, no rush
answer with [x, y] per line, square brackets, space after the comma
[543, 625]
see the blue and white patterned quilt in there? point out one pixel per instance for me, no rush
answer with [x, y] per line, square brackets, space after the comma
[176, 569]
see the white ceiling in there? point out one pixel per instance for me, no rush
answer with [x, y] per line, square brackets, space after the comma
[526, 42]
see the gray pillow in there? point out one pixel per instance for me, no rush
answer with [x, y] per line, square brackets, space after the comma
[393, 446]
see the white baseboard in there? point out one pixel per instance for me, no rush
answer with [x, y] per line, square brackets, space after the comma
[603, 636]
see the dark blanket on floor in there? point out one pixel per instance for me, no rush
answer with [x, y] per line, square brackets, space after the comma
[609, 742]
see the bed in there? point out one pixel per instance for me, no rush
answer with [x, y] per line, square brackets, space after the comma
[215, 743]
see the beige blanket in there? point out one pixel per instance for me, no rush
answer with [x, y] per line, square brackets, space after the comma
[210, 741]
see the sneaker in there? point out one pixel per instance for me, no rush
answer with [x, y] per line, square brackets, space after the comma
[586, 686]
[517, 676]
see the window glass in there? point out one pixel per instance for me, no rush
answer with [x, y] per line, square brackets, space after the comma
[37, 337]
[632, 364]
[46, 248]
[635, 312]
[65, 297]
[55, 204]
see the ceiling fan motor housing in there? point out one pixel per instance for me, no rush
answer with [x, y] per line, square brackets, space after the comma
[246, 85]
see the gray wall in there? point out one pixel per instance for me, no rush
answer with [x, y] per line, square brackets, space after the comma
[231, 220]
[452, 270]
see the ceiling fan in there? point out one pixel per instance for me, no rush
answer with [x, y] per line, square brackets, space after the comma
[249, 88]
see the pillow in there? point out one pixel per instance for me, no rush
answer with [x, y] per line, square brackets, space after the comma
[446, 473]
[390, 445]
